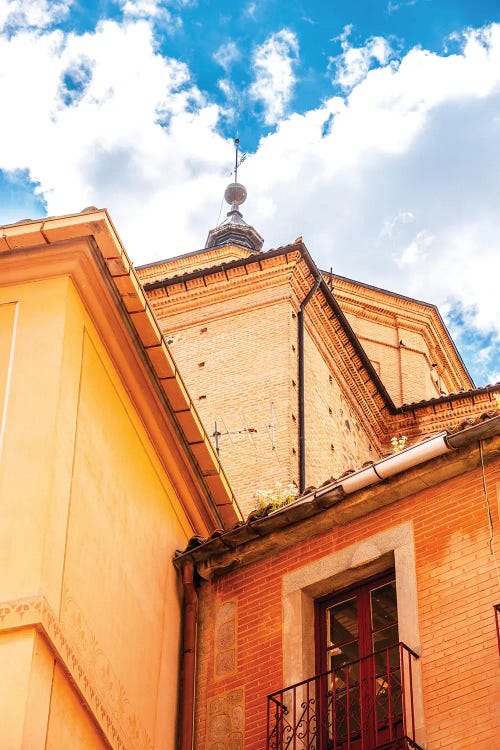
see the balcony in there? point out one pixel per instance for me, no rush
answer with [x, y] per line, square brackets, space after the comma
[362, 705]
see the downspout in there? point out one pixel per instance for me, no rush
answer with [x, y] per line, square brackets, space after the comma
[187, 698]
[301, 379]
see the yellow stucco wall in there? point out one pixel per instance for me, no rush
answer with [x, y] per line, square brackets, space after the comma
[89, 600]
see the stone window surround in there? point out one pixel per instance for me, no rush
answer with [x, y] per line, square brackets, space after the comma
[392, 548]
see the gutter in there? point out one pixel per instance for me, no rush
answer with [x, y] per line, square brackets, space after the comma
[391, 465]
[219, 554]
[417, 454]
[302, 386]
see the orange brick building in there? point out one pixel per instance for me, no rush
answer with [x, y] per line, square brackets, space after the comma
[301, 373]
[361, 614]
[265, 586]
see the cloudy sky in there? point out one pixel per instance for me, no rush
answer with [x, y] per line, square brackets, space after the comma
[371, 127]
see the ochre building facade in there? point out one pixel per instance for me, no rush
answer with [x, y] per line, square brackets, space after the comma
[104, 472]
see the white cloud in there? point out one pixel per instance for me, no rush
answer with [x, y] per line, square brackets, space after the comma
[396, 183]
[394, 224]
[40, 14]
[352, 65]
[417, 251]
[91, 132]
[156, 11]
[142, 8]
[274, 63]
[401, 190]
[226, 55]
[392, 6]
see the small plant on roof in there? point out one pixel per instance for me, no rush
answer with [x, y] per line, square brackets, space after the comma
[399, 443]
[279, 496]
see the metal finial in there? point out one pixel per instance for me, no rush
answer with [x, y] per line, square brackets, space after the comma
[234, 230]
[236, 146]
[239, 158]
[235, 193]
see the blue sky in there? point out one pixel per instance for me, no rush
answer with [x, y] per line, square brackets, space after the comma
[372, 129]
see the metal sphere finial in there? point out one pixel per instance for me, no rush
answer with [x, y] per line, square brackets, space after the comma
[235, 193]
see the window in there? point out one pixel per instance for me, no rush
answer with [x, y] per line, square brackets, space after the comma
[362, 694]
[343, 571]
[357, 649]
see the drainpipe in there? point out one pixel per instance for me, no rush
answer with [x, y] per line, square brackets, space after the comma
[302, 431]
[375, 473]
[188, 658]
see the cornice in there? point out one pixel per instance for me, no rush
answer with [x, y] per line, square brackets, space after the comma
[259, 274]
[189, 262]
[377, 304]
[76, 650]
[302, 278]
[245, 281]
[337, 346]
[422, 419]
[86, 248]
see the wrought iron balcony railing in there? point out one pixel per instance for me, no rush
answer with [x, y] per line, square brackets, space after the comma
[362, 705]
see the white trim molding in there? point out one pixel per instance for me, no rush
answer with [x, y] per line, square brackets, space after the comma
[392, 548]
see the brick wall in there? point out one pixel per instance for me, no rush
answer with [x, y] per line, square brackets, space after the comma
[238, 354]
[237, 360]
[336, 439]
[457, 586]
[405, 368]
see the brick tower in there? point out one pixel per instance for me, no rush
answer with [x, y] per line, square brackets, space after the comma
[297, 373]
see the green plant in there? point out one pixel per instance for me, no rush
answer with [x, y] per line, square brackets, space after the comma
[279, 496]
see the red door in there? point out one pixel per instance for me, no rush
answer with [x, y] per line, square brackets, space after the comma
[357, 646]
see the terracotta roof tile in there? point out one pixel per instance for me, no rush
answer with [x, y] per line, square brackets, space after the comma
[450, 397]
[471, 421]
[266, 517]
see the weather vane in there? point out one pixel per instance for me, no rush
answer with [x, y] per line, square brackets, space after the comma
[238, 160]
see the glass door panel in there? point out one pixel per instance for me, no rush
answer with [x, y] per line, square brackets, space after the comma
[357, 643]
[343, 657]
[387, 672]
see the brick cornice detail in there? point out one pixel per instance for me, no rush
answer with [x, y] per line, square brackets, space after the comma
[190, 262]
[185, 296]
[276, 273]
[437, 417]
[378, 306]
[336, 346]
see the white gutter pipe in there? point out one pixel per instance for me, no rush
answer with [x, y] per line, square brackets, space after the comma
[417, 454]
[387, 467]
